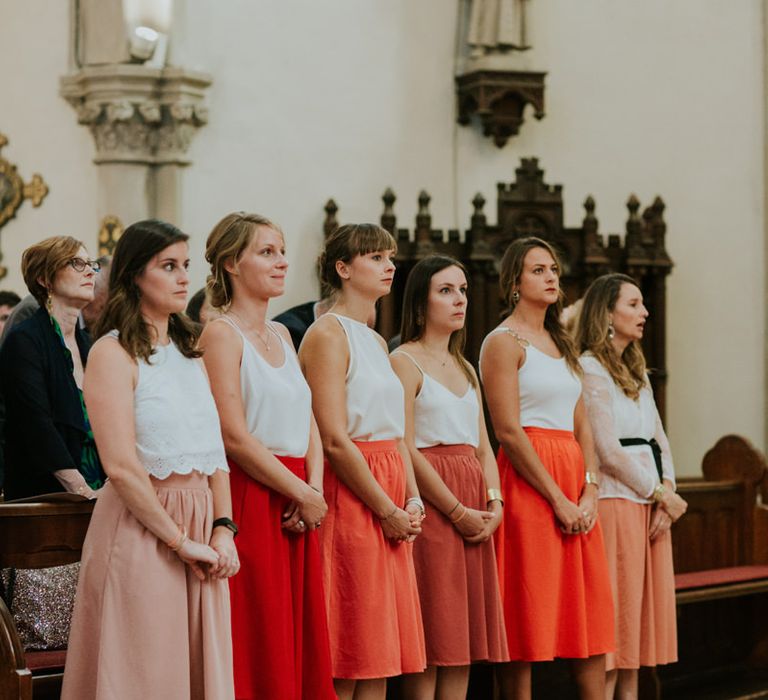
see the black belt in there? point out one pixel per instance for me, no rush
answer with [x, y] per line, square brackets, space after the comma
[630, 442]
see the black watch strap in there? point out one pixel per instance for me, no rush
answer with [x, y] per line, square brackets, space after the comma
[227, 523]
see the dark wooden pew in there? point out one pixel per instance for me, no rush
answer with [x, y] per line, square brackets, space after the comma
[34, 535]
[721, 578]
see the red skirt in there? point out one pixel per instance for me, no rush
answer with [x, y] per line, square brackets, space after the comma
[458, 585]
[374, 617]
[279, 628]
[555, 587]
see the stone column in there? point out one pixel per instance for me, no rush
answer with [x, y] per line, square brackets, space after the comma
[143, 120]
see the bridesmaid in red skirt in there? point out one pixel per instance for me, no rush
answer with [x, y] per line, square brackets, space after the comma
[553, 571]
[374, 509]
[457, 474]
[279, 627]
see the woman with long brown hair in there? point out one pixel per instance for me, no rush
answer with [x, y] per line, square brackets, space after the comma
[638, 503]
[151, 614]
[279, 628]
[552, 567]
[374, 509]
[458, 478]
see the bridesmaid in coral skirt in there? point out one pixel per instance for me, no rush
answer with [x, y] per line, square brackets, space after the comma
[151, 616]
[374, 511]
[279, 626]
[552, 565]
[457, 474]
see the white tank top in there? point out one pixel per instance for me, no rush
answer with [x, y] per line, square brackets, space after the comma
[440, 417]
[549, 390]
[177, 426]
[375, 397]
[277, 400]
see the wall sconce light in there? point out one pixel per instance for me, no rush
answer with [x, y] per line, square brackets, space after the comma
[142, 43]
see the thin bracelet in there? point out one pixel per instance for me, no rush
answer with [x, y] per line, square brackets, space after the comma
[178, 542]
[461, 517]
[416, 500]
[450, 512]
[394, 510]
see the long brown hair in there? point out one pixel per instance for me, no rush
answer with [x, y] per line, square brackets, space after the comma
[416, 300]
[139, 243]
[512, 264]
[627, 370]
[345, 243]
[226, 243]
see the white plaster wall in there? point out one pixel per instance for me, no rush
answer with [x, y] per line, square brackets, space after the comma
[343, 98]
[43, 131]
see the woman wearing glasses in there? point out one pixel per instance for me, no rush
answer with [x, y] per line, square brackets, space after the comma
[49, 445]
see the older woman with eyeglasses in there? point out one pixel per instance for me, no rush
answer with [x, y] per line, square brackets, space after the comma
[49, 445]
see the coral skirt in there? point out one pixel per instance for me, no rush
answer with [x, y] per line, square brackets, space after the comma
[458, 584]
[279, 629]
[374, 617]
[555, 587]
[144, 626]
[643, 583]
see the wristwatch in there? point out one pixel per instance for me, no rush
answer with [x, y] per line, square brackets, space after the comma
[227, 523]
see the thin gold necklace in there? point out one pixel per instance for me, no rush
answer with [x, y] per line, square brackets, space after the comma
[258, 335]
[429, 352]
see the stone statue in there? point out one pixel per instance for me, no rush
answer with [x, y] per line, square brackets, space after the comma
[496, 27]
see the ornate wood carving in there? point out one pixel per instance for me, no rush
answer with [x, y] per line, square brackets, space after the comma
[530, 206]
[499, 99]
[13, 192]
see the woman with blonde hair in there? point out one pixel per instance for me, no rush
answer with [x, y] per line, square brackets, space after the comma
[638, 503]
[49, 444]
[552, 567]
[151, 616]
[279, 624]
[374, 510]
[457, 474]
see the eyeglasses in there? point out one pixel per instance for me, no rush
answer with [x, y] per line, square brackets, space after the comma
[78, 264]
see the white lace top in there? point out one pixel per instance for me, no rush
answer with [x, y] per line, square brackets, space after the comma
[440, 417]
[625, 472]
[549, 390]
[375, 397]
[177, 426]
[278, 403]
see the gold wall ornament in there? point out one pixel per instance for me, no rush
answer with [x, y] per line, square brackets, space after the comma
[13, 192]
[110, 230]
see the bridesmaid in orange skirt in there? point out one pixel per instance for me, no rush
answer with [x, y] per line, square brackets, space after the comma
[457, 474]
[279, 628]
[552, 566]
[374, 511]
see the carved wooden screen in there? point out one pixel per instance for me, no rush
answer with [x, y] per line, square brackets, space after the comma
[528, 206]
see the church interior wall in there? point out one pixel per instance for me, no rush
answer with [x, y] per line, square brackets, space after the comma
[343, 98]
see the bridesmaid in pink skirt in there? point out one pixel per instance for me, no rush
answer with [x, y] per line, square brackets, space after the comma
[151, 616]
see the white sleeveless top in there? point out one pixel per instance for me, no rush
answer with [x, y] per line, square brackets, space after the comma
[440, 417]
[177, 426]
[549, 390]
[375, 397]
[278, 403]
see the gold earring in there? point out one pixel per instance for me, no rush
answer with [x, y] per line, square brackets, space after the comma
[49, 303]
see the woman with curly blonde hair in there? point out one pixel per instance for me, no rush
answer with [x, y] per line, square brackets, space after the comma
[638, 503]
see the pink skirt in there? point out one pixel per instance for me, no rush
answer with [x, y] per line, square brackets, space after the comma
[143, 625]
[643, 584]
[458, 583]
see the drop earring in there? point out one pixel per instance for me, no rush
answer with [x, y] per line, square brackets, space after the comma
[515, 297]
[611, 331]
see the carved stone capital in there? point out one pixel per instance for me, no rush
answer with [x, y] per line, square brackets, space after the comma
[139, 114]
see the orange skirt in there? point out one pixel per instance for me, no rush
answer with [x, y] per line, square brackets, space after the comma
[555, 587]
[643, 583]
[374, 617]
[458, 585]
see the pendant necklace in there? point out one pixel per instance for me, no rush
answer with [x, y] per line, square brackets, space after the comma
[258, 335]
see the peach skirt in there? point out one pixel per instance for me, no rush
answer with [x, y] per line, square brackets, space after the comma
[643, 584]
[144, 626]
[374, 617]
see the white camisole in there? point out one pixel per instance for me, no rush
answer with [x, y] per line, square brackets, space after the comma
[440, 417]
[549, 390]
[177, 425]
[278, 402]
[375, 397]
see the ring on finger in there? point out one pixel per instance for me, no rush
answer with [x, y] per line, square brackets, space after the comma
[301, 524]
